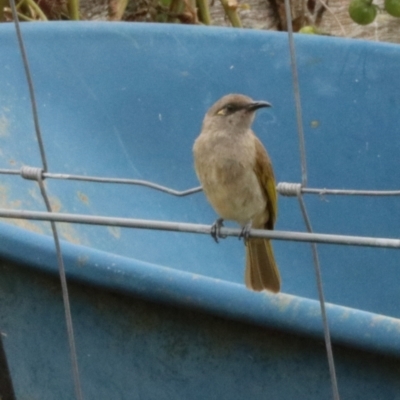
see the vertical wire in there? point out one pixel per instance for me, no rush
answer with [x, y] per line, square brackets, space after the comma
[302, 148]
[317, 267]
[39, 178]
[296, 92]
[30, 84]
[64, 286]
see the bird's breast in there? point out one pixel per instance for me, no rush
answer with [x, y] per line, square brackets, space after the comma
[226, 172]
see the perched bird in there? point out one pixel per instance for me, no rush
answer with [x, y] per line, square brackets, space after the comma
[236, 174]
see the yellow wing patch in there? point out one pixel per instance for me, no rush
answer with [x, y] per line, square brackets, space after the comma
[265, 174]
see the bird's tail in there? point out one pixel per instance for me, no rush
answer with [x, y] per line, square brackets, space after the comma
[261, 269]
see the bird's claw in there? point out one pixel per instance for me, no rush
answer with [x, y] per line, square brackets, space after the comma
[216, 230]
[245, 234]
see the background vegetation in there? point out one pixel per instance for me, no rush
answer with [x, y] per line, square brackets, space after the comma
[369, 19]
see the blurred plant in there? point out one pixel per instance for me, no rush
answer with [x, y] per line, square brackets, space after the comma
[180, 11]
[175, 11]
[73, 9]
[41, 10]
[198, 11]
[393, 7]
[230, 8]
[3, 5]
[309, 30]
[204, 12]
[183, 11]
[306, 15]
[364, 12]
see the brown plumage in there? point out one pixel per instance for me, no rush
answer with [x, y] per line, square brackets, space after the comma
[237, 178]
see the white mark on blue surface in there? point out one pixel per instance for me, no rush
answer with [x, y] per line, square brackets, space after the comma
[125, 153]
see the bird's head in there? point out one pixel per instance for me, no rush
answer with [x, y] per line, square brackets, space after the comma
[234, 112]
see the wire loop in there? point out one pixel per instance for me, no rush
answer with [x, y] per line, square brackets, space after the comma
[32, 173]
[289, 189]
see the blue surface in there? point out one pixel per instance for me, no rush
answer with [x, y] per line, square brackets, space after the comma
[134, 350]
[127, 100]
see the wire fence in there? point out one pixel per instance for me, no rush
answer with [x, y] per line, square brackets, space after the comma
[284, 188]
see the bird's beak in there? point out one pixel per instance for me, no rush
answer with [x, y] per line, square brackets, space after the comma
[258, 104]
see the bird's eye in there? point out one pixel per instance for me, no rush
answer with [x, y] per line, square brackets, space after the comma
[228, 109]
[222, 111]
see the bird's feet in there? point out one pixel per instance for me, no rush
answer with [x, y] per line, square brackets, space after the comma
[245, 232]
[216, 229]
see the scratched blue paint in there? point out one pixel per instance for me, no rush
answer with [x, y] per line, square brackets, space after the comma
[127, 100]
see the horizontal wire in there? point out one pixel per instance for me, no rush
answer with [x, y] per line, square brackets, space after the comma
[350, 192]
[6, 171]
[181, 193]
[200, 228]
[124, 181]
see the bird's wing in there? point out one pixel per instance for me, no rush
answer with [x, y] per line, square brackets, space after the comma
[265, 174]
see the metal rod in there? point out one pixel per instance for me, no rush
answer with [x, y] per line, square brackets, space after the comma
[30, 84]
[65, 295]
[6, 171]
[71, 339]
[350, 192]
[201, 229]
[325, 323]
[296, 92]
[165, 189]
[124, 182]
